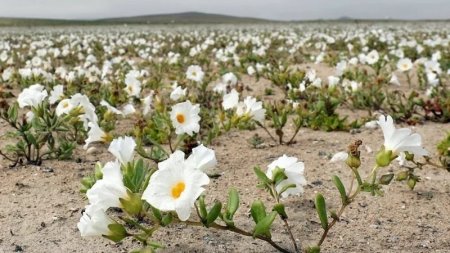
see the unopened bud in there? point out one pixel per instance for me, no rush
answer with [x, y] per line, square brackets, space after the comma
[353, 161]
[384, 158]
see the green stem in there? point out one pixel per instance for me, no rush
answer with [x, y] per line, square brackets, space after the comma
[179, 140]
[158, 145]
[285, 219]
[267, 131]
[241, 232]
[373, 175]
[293, 136]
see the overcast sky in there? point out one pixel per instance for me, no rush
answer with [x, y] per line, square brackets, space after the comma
[270, 9]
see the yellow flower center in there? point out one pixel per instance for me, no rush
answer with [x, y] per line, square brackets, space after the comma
[177, 189]
[194, 73]
[65, 104]
[180, 118]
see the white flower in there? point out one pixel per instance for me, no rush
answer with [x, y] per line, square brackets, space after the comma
[7, 73]
[353, 61]
[195, 73]
[110, 108]
[220, 88]
[133, 87]
[317, 83]
[175, 187]
[177, 92]
[202, 158]
[351, 85]
[95, 134]
[36, 61]
[371, 124]
[230, 100]
[341, 67]
[185, 118]
[400, 140]
[333, 81]
[311, 75]
[94, 222]
[128, 109]
[404, 64]
[108, 191]
[122, 148]
[294, 171]
[147, 104]
[401, 159]
[250, 70]
[372, 57]
[432, 79]
[251, 108]
[302, 86]
[229, 79]
[394, 80]
[64, 107]
[339, 156]
[32, 96]
[56, 94]
[29, 116]
[88, 109]
[432, 66]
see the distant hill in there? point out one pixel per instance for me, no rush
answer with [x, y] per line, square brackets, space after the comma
[174, 18]
[184, 18]
[180, 18]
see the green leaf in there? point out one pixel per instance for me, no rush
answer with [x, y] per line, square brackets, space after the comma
[214, 212]
[202, 207]
[262, 176]
[322, 210]
[278, 176]
[31, 139]
[340, 186]
[263, 226]
[233, 202]
[156, 213]
[258, 211]
[135, 175]
[286, 187]
[166, 219]
[279, 208]
[13, 112]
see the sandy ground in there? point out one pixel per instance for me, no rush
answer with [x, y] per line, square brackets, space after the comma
[41, 205]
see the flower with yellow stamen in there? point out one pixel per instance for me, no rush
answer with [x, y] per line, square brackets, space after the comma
[175, 186]
[185, 118]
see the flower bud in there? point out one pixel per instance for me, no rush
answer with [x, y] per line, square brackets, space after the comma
[402, 175]
[411, 183]
[384, 158]
[353, 161]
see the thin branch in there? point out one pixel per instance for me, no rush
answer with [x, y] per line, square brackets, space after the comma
[241, 232]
